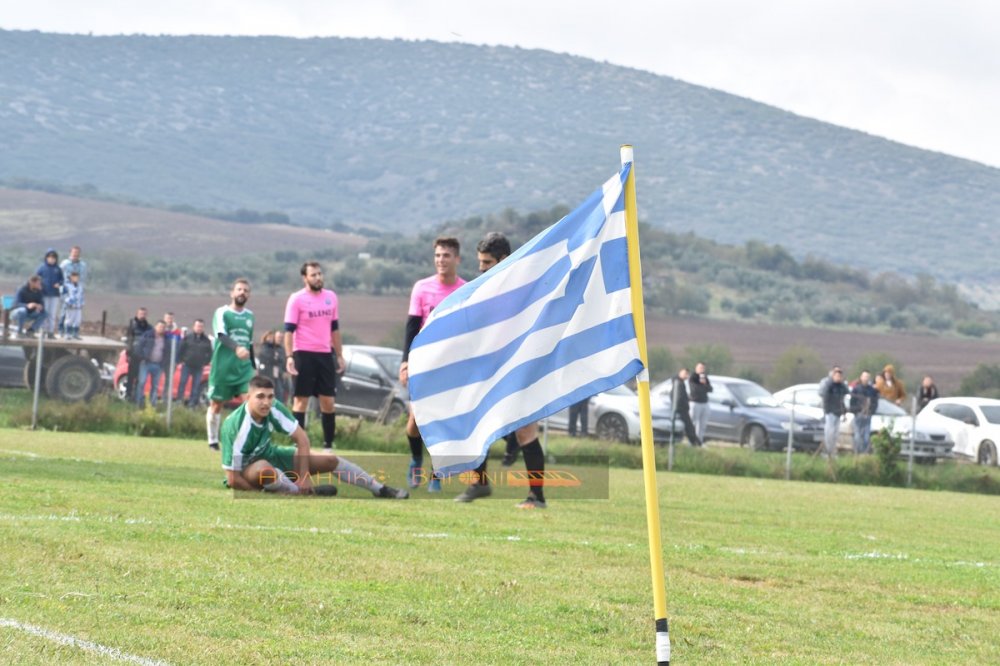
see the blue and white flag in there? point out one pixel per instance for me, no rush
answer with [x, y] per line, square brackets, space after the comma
[547, 327]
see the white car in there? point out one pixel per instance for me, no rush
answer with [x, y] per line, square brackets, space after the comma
[974, 425]
[931, 441]
[614, 415]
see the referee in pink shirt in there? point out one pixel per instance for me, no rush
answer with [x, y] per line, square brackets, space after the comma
[313, 339]
[426, 296]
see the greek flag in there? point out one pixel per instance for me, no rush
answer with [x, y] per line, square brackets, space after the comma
[547, 327]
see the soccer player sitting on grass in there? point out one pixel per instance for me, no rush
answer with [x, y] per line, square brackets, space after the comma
[253, 462]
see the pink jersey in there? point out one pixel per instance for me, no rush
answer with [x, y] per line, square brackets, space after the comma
[313, 315]
[427, 293]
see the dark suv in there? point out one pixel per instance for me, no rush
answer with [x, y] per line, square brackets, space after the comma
[370, 384]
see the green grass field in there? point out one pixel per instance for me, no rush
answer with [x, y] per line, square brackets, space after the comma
[134, 545]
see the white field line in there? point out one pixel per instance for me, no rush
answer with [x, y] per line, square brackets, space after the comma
[29, 454]
[72, 641]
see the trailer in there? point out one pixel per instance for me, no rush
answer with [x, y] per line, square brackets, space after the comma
[72, 370]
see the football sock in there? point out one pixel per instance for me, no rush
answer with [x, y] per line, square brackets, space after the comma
[512, 446]
[281, 484]
[212, 422]
[416, 448]
[483, 480]
[354, 475]
[534, 462]
[329, 427]
[301, 418]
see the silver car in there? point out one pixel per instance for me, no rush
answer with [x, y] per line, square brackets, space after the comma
[614, 415]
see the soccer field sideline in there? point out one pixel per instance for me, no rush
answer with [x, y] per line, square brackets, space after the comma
[756, 570]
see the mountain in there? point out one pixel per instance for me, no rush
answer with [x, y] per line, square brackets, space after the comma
[400, 135]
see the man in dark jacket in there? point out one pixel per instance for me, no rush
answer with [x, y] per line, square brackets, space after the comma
[679, 399]
[52, 282]
[832, 391]
[29, 306]
[152, 352]
[137, 326]
[698, 389]
[194, 354]
[864, 402]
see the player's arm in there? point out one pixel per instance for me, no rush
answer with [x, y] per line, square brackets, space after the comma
[241, 352]
[301, 441]
[412, 328]
[236, 481]
[290, 327]
[337, 344]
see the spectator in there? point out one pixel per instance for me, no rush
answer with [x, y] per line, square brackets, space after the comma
[679, 400]
[194, 354]
[137, 326]
[271, 361]
[29, 306]
[890, 386]
[52, 281]
[72, 295]
[578, 411]
[832, 391]
[928, 392]
[699, 388]
[864, 402]
[151, 351]
[74, 263]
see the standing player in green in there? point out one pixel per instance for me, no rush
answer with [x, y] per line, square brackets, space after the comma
[253, 462]
[232, 356]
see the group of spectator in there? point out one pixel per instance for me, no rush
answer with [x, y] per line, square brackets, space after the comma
[149, 347]
[52, 298]
[863, 403]
[689, 396]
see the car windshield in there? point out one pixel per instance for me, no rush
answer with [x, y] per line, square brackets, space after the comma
[886, 408]
[391, 362]
[991, 413]
[753, 395]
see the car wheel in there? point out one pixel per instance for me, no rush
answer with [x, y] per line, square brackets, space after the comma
[121, 388]
[612, 427]
[72, 379]
[395, 412]
[755, 437]
[987, 454]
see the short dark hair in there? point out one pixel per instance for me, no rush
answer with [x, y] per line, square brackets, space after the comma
[449, 242]
[35, 278]
[202, 321]
[495, 244]
[242, 280]
[260, 381]
[305, 267]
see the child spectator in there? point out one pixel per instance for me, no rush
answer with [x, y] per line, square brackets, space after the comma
[72, 301]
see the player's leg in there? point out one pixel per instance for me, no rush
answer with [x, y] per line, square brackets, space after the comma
[304, 386]
[213, 417]
[325, 466]
[534, 462]
[262, 474]
[328, 416]
[416, 475]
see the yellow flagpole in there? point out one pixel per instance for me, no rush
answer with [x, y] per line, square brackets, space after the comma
[645, 417]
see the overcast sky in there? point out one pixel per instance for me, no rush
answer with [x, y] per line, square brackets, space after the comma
[922, 72]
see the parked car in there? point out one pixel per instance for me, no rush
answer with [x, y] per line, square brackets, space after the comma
[614, 415]
[745, 412]
[930, 442]
[370, 384]
[972, 423]
[120, 381]
[12, 366]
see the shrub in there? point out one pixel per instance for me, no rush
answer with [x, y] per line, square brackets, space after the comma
[796, 365]
[973, 329]
[887, 446]
[717, 358]
[984, 382]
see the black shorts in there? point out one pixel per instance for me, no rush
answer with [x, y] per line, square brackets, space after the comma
[317, 374]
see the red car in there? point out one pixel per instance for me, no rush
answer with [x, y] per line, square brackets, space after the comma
[121, 381]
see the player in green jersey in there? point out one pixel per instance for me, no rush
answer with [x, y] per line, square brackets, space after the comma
[253, 461]
[232, 356]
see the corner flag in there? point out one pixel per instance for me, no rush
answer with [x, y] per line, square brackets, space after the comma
[547, 327]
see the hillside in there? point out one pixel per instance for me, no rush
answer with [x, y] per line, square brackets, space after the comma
[403, 135]
[30, 222]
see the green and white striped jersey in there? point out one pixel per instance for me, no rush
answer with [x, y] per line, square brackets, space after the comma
[244, 441]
